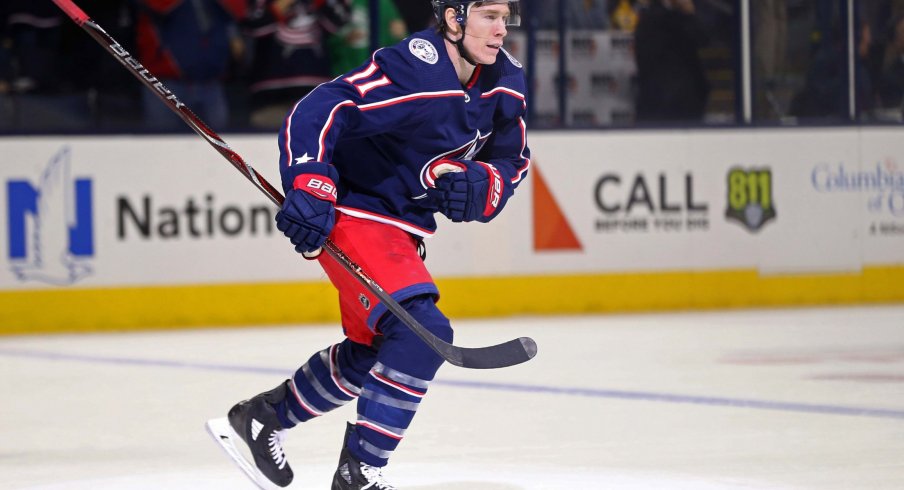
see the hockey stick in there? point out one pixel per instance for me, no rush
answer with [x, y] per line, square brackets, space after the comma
[509, 353]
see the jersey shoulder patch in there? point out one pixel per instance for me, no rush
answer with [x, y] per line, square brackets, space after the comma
[424, 50]
[512, 59]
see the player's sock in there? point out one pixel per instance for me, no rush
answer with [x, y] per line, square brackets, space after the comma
[393, 388]
[388, 403]
[329, 379]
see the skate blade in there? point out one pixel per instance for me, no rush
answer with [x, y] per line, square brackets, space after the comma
[223, 433]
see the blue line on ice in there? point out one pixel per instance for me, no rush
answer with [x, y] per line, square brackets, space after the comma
[514, 387]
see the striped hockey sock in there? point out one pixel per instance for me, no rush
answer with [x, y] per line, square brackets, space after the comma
[322, 384]
[388, 402]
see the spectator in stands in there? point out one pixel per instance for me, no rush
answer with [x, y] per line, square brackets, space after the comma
[114, 96]
[189, 45]
[43, 79]
[672, 84]
[6, 59]
[31, 38]
[417, 14]
[6, 73]
[350, 46]
[882, 16]
[579, 14]
[891, 85]
[290, 53]
[770, 49]
[623, 14]
[826, 92]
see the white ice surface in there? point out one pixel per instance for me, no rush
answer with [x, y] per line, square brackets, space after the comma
[773, 399]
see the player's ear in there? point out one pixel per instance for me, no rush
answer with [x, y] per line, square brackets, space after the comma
[452, 25]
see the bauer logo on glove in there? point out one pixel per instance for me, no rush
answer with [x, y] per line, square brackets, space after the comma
[321, 188]
[308, 213]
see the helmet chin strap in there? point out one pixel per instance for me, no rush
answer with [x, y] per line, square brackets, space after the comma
[460, 46]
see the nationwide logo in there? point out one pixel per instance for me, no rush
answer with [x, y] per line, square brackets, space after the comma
[750, 200]
[51, 225]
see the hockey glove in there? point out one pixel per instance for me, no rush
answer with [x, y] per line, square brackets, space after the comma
[465, 190]
[308, 213]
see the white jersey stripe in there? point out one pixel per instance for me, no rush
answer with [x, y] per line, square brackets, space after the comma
[522, 170]
[326, 128]
[406, 98]
[506, 90]
[358, 213]
[288, 125]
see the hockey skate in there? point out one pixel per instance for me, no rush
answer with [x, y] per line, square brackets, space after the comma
[356, 475]
[254, 423]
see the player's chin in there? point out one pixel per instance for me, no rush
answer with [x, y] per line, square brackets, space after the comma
[488, 55]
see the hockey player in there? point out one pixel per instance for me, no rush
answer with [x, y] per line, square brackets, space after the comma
[432, 124]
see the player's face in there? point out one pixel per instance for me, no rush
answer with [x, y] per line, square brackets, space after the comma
[486, 30]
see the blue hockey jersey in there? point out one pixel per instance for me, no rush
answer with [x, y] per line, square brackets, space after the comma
[383, 125]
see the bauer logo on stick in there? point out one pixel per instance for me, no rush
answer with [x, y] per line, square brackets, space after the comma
[133, 63]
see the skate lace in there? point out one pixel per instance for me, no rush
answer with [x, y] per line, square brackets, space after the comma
[374, 478]
[276, 450]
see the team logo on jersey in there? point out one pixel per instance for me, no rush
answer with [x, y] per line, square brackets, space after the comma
[424, 50]
[50, 225]
[512, 59]
[465, 152]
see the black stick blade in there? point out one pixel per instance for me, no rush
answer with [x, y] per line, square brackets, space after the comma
[511, 353]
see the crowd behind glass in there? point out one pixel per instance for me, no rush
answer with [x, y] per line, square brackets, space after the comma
[592, 63]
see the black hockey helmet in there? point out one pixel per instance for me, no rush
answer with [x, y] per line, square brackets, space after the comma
[462, 8]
